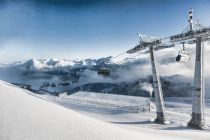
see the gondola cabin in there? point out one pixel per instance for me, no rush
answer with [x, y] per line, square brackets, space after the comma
[53, 85]
[104, 72]
[183, 56]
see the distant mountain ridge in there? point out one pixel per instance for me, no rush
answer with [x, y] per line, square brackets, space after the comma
[53, 64]
[43, 64]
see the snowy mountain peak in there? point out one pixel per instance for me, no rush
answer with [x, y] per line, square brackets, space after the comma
[40, 64]
[34, 64]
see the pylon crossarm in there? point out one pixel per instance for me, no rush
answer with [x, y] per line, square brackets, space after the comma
[191, 35]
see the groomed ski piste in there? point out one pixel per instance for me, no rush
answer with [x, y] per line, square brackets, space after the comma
[27, 116]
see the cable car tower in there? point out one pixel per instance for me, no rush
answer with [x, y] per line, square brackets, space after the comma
[152, 44]
[197, 34]
[194, 34]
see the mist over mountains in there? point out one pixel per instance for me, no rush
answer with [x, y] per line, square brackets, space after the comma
[128, 77]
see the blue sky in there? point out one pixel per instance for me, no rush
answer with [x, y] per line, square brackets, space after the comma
[88, 28]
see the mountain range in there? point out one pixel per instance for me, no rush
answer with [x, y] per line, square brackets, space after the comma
[127, 78]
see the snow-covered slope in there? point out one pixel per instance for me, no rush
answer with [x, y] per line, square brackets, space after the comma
[177, 111]
[26, 117]
[109, 98]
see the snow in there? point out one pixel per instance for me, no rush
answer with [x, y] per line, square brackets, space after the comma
[178, 111]
[27, 117]
[112, 98]
[110, 102]
[39, 64]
